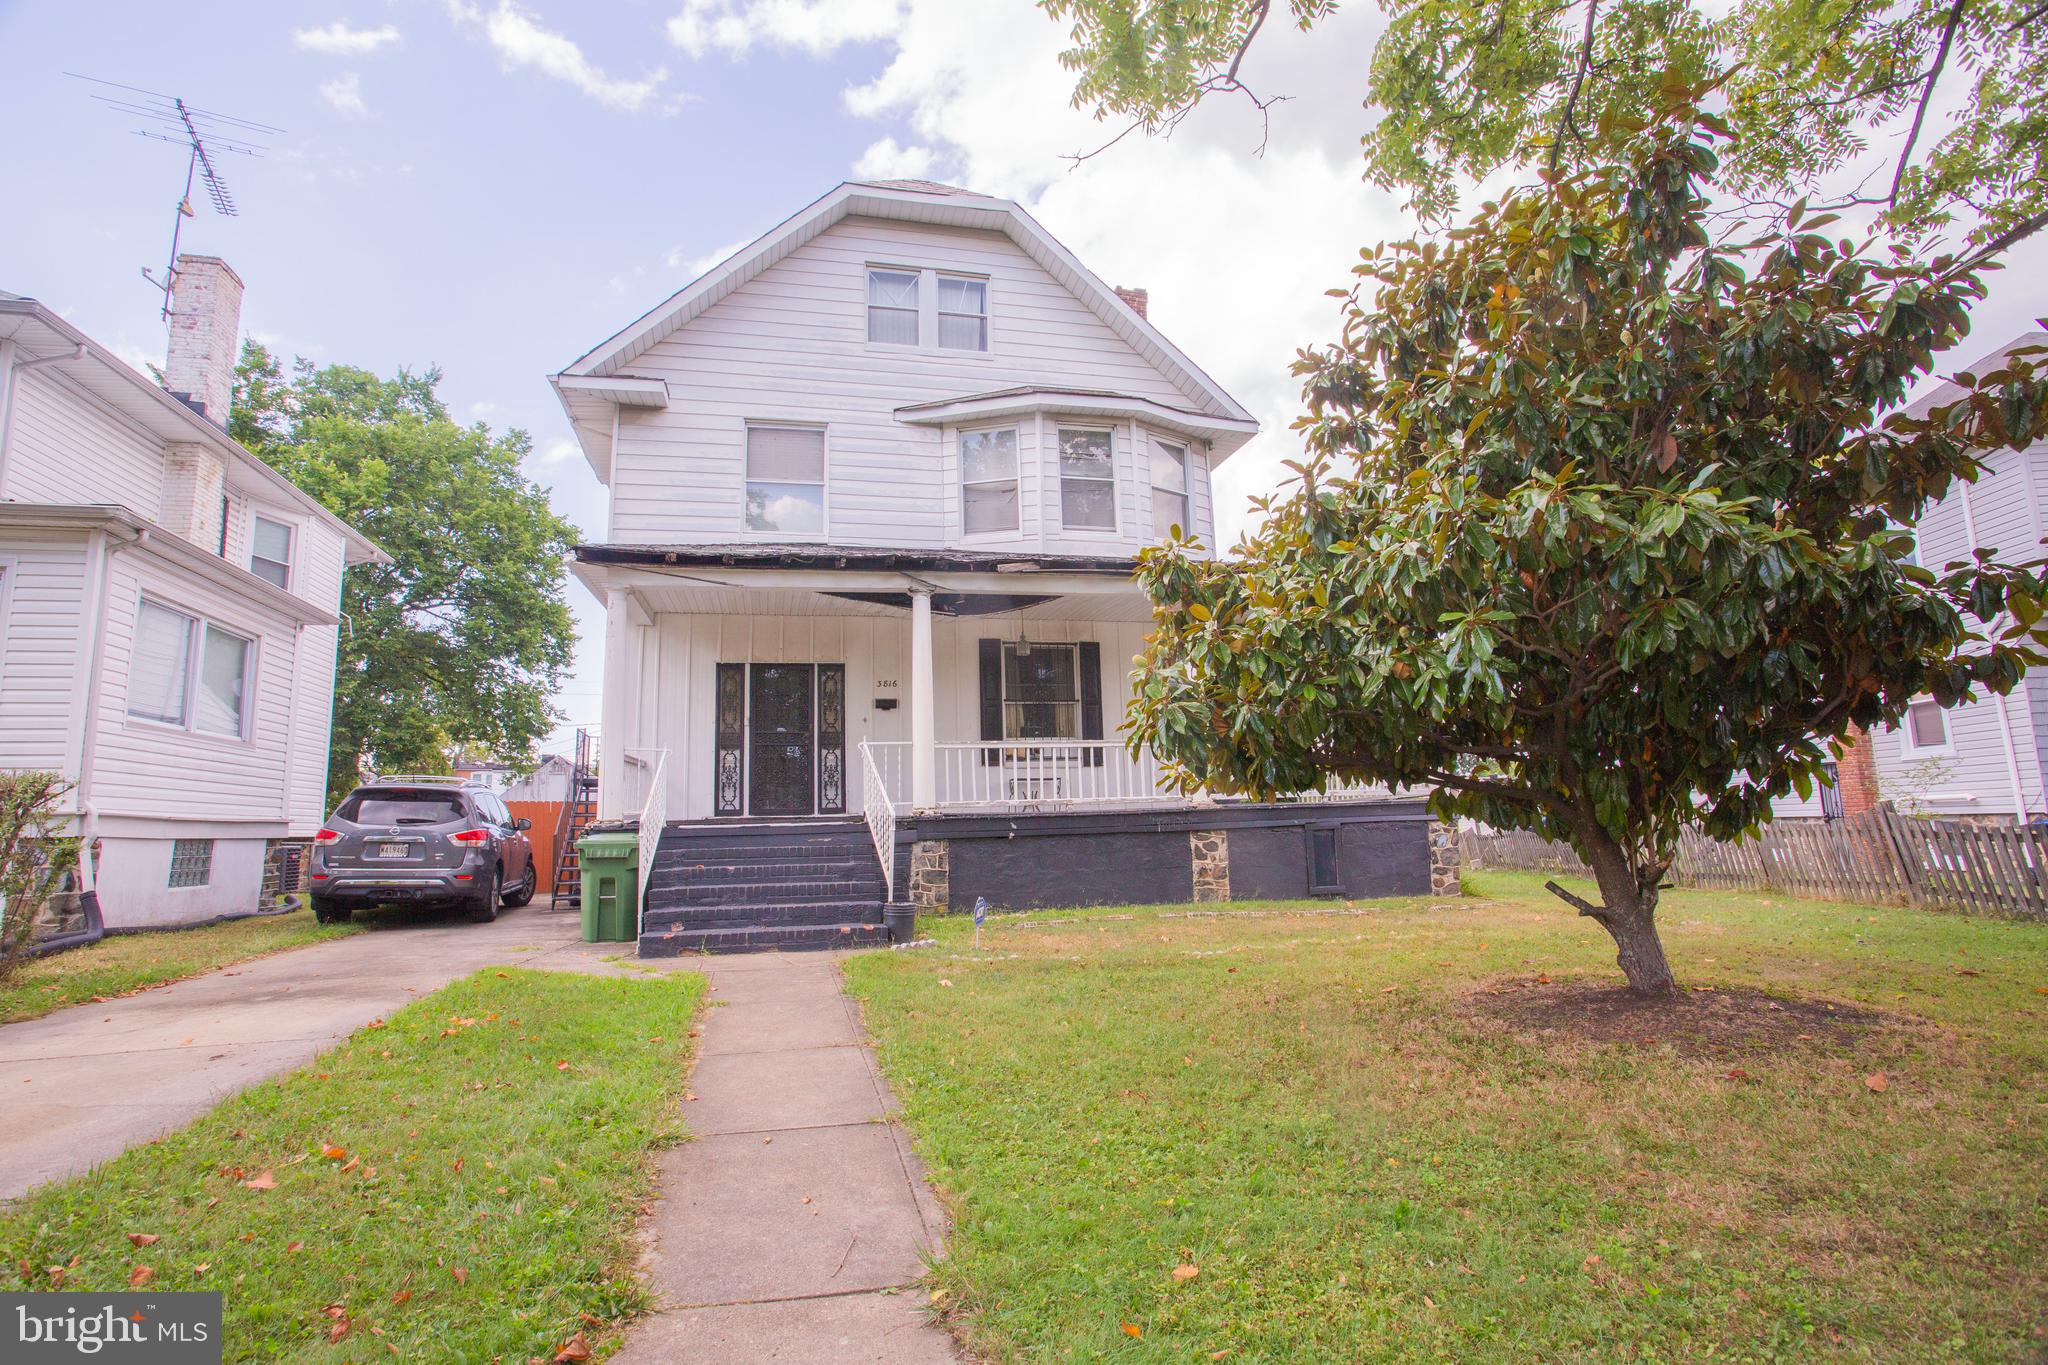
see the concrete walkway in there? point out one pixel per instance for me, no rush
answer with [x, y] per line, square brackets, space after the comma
[84, 1084]
[796, 1224]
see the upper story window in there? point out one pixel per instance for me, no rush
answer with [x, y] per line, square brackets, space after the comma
[1926, 726]
[988, 481]
[963, 313]
[1169, 487]
[892, 306]
[1087, 481]
[188, 672]
[786, 479]
[270, 551]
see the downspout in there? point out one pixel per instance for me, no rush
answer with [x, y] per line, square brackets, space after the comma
[2012, 759]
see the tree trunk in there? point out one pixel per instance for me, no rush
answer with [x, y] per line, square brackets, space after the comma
[1628, 914]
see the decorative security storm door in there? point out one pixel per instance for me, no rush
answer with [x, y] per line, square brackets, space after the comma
[781, 743]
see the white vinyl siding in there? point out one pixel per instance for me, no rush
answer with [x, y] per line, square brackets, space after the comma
[786, 480]
[793, 345]
[63, 446]
[989, 500]
[270, 553]
[43, 577]
[1087, 479]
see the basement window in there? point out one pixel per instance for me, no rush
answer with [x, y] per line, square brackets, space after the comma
[191, 862]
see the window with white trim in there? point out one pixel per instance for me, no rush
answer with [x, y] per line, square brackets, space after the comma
[188, 672]
[892, 306]
[270, 551]
[786, 479]
[191, 862]
[1041, 691]
[963, 313]
[1926, 726]
[1087, 480]
[988, 481]
[1169, 487]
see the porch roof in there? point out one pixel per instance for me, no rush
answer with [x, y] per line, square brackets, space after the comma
[854, 559]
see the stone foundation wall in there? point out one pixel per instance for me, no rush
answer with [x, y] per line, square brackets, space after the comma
[930, 878]
[1210, 850]
[1445, 858]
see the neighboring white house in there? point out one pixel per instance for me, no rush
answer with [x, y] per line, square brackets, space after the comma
[168, 609]
[1989, 756]
[877, 484]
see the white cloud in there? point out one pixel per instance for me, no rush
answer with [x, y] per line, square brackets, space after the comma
[813, 26]
[679, 257]
[521, 43]
[885, 160]
[558, 452]
[338, 39]
[344, 94]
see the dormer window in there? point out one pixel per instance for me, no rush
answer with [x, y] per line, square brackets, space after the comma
[988, 481]
[892, 307]
[786, 480]
[1169, 487]
[963, 313]
[270, 551]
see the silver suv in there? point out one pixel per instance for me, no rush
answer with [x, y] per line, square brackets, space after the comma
[421, 839]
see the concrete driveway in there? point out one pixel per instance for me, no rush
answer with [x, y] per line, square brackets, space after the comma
[84, 1084]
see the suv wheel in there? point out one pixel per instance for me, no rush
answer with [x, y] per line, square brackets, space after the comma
[325, 911]
[484, 908]
[522, 893]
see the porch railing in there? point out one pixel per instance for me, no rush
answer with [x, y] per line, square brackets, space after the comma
[653, 811]
[1025, 774]
[880, 814]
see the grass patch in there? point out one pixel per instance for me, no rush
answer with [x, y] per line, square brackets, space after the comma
[127, 963]
[444, 1186]
[1310, 1110]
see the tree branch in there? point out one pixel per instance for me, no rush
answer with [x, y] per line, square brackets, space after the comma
[1569, 123]
[1226, 79]
[1583, 906]
[1948, 33]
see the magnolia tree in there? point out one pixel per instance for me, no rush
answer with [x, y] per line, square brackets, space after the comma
[1600, 533]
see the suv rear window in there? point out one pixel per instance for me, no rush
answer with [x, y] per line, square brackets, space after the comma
[402, 808]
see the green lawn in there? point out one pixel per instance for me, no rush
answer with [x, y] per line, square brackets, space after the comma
[1318, 1114]
[128, 963]
[443, 1185]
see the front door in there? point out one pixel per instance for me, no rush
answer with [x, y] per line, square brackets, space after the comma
[783, 736]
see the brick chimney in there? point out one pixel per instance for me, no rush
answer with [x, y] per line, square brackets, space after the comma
[206, 324]
[1856, 773]
[206, 331]
[1134, 299]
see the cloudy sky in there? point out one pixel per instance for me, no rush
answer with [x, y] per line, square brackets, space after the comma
[493, 187]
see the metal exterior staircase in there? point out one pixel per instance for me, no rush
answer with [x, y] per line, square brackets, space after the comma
[731, 886]
[579, 812]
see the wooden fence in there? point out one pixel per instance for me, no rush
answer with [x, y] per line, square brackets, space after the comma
[1951, 864]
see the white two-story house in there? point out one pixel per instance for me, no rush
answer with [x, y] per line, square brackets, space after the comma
[877, 485]
[168, 610]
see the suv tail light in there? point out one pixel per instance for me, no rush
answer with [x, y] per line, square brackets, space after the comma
[326, 837]
[471, 836]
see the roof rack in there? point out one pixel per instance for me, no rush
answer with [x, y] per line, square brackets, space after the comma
[418, 780]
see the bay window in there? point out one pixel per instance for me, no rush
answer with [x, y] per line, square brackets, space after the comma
[270, 551]
[1169, 488]
[988, 481]
[1087, 481]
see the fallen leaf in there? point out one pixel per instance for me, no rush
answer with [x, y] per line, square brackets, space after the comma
[333, 1152]
[142, 1239]
[1878, 1081]
[592, 1319]
[353, 1162]
[1131, 1329]
[561, 1066]
[202, 1267]
[401, 1296]
[461, 1275]
[339, 1330]
[575, 1348]
[1186, 1271]
[140, 1276]
[1735, 1073]
[295, 1246]
[459, 1161]
[262, 1180]
[1428, 1302]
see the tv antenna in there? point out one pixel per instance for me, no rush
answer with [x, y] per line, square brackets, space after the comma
[206, 134]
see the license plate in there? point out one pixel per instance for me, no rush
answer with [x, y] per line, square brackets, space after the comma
[391, 850]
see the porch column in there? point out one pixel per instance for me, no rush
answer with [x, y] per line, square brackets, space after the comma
[924, 716]
[613, 719]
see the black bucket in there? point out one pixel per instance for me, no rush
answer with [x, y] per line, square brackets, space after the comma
[902, 922]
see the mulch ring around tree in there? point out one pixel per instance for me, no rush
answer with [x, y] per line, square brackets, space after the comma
[1702, 1021]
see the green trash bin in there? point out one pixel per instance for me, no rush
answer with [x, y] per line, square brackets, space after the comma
[611, 886]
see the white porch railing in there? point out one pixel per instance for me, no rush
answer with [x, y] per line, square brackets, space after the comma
[880, 813]
[653, 811]
[1025, 775]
